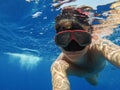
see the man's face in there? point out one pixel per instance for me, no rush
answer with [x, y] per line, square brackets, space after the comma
[72, 31]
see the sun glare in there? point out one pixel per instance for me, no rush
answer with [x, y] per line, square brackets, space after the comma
[27, 61]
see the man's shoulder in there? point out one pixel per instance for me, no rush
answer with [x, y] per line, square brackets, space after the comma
[99, 44]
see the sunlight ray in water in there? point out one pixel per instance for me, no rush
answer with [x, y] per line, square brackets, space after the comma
[27, 61]
[92, 3]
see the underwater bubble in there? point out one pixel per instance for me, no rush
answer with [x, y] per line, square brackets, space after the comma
[37, 14]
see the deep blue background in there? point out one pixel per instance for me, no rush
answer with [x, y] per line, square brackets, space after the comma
[20, 33]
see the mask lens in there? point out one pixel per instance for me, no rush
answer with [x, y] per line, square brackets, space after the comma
[83, 38]
[62, 39]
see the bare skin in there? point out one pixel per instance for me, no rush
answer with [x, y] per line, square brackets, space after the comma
[86, 63]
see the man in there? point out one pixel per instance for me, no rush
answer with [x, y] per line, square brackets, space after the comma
[83, 54]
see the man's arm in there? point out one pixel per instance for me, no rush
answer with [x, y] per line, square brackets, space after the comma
[59, 75]
[110, 51]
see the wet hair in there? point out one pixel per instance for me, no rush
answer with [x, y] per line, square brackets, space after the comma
[67, 24]
[70, 19]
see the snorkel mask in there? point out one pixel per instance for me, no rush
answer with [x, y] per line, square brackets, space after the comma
[63, 38]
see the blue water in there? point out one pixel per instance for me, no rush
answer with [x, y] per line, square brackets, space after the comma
[27, 48]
